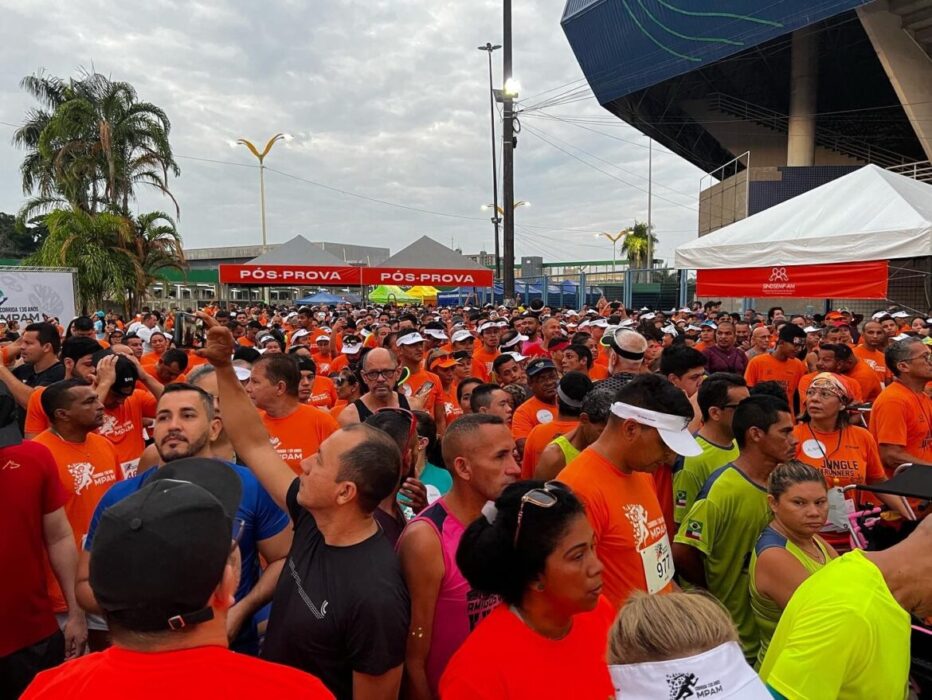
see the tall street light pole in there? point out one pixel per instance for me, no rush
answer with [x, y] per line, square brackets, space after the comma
[261, 156]
[508, 164]
[496, 219]
[614, 238]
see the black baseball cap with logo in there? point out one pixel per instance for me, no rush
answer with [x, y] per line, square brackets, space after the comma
[126, 374]
[158, 555]
[538, 365]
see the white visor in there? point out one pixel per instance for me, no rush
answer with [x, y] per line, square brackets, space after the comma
[487, 325]
[812, 329]
[351, 348]
[648, 317]
[899, 314]
[514, 341]
[517, 356]
[669, 329]
[601, 323]
[672, 428]
[462, 335]
[436, 333]
[242, 373]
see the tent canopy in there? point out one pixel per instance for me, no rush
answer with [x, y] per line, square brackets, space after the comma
[424, 292]
[425, 252]
[298, 251]
[390, 293]
[869, 214]
[321, 298]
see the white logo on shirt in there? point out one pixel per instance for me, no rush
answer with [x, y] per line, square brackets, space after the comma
[318, 613]
[83, 475]
[10, 465]
[637, 516]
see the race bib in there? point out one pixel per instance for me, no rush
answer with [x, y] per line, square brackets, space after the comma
[129, 468]
[838, 509]
[657, 560]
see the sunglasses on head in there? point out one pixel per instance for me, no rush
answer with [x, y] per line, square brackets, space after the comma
[542, 498]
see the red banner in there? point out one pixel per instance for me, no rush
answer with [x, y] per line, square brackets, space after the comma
[856, 280]
[323, 276]
[283, 275]
[405, 276]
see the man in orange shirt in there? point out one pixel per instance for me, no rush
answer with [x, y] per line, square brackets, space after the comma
[315, 389]
[170, 367]
[295, 429]
[485, 354]
[421, 384]
[323, 354]
[570, 394]
[542, 379]
[87, 465]
[874, 341]
[847, 364]
[612, 477]
[782, 365]
[444, 366]
[901, 417]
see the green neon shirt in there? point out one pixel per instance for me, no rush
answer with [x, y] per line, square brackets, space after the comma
[689, 479]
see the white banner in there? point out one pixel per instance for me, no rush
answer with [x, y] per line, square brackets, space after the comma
[29, 296]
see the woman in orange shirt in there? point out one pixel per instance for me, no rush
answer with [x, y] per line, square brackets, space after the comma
[535, 549]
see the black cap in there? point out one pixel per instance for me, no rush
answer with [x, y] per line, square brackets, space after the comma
[126, 374]
[158, 555]
[538, 365]
[9, 427]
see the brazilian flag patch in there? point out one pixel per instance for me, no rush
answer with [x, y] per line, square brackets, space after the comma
[694, 530]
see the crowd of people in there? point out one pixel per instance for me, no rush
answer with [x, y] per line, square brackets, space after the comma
[461, 503]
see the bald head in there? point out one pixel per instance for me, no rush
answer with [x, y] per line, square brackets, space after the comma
[380, 357]
[628, 348]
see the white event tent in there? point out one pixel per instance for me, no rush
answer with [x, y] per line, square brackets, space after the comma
[869, 214]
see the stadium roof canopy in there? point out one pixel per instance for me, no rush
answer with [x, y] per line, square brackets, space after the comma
[425, 252]
[297, 251]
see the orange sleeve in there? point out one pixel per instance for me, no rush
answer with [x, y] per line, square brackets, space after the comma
[521, 424]
[326, 425]
[751, 374]
[36, 420]
[888, 423]
[148, 404]
[875, 470]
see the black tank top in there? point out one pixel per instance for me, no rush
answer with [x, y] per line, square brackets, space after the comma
[364, 411]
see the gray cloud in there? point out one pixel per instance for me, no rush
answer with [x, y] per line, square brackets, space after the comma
[386, 99]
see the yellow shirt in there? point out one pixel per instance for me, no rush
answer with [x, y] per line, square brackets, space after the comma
[842, 636]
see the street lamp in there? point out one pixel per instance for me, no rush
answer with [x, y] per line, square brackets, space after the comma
[261, 156]
[501, 212]
[495, 219]
[614, 238]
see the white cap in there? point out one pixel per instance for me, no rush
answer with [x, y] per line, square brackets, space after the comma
[410, 338]
[583, 324]
[669, 329]
[600, 323]
[899, 314]
[435, 333]
[300, 333]
[649, 316]
[351, 348]
[502, 324]
[487, 325]
[812, 329]
[514, 341]
[627, 323]
[322, 338]
[879, 314]
[460, 336]
[570, 312]
[242, 373]
[693, 327]
[673, 429]
[517, 356]
[901, 336]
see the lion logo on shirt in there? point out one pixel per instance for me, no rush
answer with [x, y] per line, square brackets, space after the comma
[83, 475]
[637, 516]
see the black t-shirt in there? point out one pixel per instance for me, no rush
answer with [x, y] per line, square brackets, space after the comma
[337, 610]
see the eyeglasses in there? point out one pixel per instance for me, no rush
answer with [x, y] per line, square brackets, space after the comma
[542, 498]
[380, 373]
[927, 356]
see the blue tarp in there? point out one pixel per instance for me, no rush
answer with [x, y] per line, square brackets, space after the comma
[320, 298]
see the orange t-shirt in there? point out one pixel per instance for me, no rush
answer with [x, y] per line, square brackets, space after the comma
[246, 342]
[845, 457]
[854, 389]
[123, 428]
[598, 372]
[539, 437]
[324, 364]
[532, 412]
[482, 361]
[630, 530]
[338, 408]
[152, 372]
[766, 368]
[340, 362]
[323, 392]
[149, 359]
[194, 360]
[298, 435]
[87, 470]
[875, 360]
[867, 378]
[903, 417]
[416, 383]
[451, 407]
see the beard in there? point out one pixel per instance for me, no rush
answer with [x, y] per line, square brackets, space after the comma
[183, 449]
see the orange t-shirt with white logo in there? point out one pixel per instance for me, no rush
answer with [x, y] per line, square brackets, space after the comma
[529, 414]
[875, 360]
[482, 361]
[323, 392]
[630, 531]
[298, 435]
[845, 457]
[903, 417]
[123, 428]
[87, 470]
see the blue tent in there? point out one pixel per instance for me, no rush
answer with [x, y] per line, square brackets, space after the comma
[320, 298]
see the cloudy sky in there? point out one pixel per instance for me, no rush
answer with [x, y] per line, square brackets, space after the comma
[385, 99]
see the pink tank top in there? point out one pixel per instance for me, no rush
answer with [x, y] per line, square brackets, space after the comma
[459, 608]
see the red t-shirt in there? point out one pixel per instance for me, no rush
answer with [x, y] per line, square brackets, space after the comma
[503, 659]
[29, 489]
[190, 674]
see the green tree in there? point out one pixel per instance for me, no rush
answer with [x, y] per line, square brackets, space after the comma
[18, 240]
[155, 246]
[89, 143]
[96, 245]
[635, 245]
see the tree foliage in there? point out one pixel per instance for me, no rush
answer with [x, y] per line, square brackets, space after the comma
[17, 240]
[636, 243]
[90, 144]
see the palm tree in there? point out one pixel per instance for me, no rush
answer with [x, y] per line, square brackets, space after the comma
[155, 246]
[90, 143]
[635, 244]
[94, 244]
